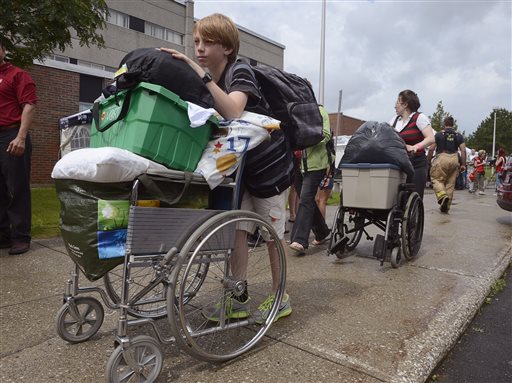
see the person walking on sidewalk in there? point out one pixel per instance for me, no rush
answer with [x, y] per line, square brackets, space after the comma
[500, 164]
[17, 105]
[470, 167]
[479, 163]
[414, 127]
[446, 165]
[314, 166]
[216, 42]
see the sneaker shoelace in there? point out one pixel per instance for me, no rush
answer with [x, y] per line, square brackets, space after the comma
[267, 304]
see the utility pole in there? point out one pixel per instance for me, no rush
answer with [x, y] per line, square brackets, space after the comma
[494, 135]
[338, 117]
[322, 57]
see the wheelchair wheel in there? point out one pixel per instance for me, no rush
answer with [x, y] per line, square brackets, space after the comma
[145, 364]
[78, 320]
[152, 304]
[203, 321]
[352, 220]
[412, 226]
[346, 231]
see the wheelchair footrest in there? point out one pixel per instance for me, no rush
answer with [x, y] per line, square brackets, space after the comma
[379, 247]
[339, 246]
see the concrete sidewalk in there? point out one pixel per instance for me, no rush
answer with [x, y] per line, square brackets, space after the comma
[353, 320]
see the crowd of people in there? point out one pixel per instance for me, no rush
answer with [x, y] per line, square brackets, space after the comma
[479, 170]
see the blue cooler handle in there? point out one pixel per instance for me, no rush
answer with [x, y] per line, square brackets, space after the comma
[122, 114]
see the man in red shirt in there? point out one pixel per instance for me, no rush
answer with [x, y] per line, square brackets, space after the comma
[17, 106]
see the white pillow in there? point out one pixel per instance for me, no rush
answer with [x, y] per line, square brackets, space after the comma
[103, 165]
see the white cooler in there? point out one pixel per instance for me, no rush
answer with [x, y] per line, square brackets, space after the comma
[371, 186]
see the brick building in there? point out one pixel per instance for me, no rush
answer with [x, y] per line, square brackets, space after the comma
[68, 82]
[348, 125]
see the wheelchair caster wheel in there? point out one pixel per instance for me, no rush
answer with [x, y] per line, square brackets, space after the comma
[395, 257]
[79, 319]
[141, 362]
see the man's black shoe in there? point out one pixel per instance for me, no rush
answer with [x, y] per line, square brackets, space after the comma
[445, 205]
[19, 248]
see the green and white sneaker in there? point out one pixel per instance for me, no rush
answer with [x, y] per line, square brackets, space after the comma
[285, 309]
[234, 310]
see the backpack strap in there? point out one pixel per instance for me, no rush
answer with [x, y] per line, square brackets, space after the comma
[228, 77]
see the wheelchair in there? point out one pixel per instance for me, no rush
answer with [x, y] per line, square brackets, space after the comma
[178, 264]
[376, 194]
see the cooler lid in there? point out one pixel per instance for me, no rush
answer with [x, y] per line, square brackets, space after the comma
[369, 166]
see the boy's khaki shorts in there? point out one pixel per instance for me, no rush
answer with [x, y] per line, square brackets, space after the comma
[272, 210]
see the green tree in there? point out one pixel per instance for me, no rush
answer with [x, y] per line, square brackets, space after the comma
[33, 29]
[437, 118]
[482, 137]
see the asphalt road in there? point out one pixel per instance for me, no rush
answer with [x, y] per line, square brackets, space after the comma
[483, 354]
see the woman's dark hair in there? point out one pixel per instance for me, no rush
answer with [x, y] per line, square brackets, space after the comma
[410, 98]
[448, 121]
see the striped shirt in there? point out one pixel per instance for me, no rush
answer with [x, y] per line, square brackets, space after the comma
[411, 129]
[243, 80]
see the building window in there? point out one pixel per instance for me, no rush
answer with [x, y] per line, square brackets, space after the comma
[173, 37]
[118, 18]
[163, 33]
[154, 30]
[62, 59]
[88, 64]
[90, 88]
[136, 24]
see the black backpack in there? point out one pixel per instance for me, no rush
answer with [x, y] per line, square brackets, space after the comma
[292, 101]
[268, 168]
[157, 67]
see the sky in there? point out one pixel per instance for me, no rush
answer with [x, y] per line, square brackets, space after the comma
[457, 52]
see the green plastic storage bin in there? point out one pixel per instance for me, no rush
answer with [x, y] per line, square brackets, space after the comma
[156, 126]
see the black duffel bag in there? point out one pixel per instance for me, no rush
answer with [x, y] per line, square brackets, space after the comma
[157, 67]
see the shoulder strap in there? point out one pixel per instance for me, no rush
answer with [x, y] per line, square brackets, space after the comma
[228, 77]
[394, 123]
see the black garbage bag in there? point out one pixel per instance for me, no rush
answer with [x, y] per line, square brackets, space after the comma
[157, 67]
[377, 143]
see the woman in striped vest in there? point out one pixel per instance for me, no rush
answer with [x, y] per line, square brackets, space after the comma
[415, 129]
